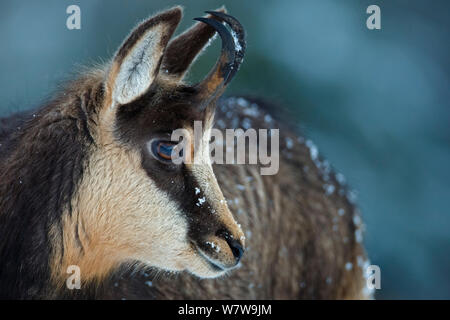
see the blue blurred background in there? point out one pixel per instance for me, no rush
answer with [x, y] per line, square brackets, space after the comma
[375, 102]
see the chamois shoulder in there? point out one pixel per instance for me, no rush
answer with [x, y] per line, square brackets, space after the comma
[7, 127]
[295, 149]
[315, 196]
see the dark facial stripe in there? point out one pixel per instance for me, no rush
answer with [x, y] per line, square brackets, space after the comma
[181, 185]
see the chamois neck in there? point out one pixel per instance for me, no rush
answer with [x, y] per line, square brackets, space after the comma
[39, 173]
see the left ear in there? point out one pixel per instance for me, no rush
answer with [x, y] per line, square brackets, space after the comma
[136, 64]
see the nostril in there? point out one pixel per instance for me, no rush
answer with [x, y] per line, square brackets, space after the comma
[235, 245]
[236, 248]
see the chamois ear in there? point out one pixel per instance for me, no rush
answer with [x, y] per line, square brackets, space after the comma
[136, 64]
[183, 50]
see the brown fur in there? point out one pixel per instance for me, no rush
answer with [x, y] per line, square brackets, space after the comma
[298, 244]
[122, 209]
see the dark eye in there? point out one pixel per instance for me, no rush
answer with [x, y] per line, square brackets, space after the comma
[163, 150]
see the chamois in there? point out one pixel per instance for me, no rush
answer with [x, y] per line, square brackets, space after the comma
[87, 180]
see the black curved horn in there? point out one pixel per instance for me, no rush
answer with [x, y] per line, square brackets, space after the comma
[238, 34]
[232, 54]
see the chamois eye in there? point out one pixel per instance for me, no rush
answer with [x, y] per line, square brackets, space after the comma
[163, 150]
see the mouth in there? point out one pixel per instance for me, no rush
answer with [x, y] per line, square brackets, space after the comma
[213, 264]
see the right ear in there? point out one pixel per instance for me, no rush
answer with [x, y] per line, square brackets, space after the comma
[136, 64]
[186, 47]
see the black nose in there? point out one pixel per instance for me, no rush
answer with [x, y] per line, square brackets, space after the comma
[236, 248]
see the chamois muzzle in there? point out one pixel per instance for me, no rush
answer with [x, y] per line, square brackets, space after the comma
[232, 55]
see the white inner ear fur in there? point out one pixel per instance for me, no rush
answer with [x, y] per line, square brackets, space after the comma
[137, 70]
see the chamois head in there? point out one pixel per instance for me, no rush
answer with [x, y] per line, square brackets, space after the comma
[133, 203]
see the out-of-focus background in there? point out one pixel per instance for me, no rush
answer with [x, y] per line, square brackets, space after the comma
[376, 102]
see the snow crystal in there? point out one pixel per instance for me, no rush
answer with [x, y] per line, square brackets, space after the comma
[348, 266]
[356, 220]
[201, 201]
[289, 143]
[237, 45]
[341, 212]
[329, 189]
[213, 245]
[360, 261]
[251, 111]
[358, 235]
[366, 265]
[149, 283]
[340, 178]
[267, 118]
[209, 42]
[246, 123]
[313, 151]
[240, 187]
[231, 101]
[197, 190]
[352, 196]
[242, 102]
[326, 167]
